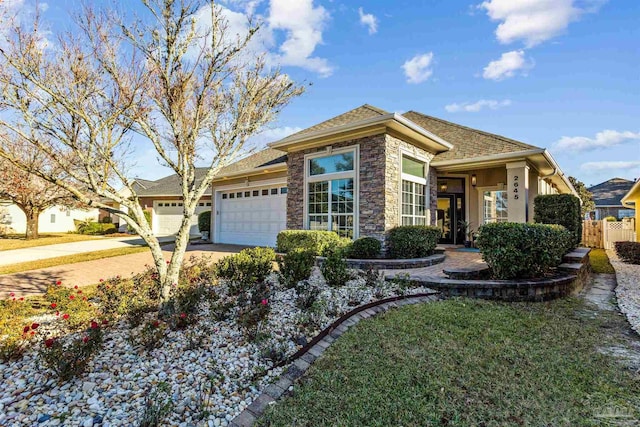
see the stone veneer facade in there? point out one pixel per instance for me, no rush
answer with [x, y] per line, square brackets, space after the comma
[378, 182]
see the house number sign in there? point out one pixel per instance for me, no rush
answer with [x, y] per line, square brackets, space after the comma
[516, 184]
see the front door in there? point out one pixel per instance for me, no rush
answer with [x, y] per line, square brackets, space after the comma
[451, 210]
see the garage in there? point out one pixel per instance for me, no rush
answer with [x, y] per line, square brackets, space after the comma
[251, 217]
[168, 217]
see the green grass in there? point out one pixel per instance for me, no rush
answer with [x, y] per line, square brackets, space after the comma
[70, 259]
[466, 363]
[19, 242]
[600, 261]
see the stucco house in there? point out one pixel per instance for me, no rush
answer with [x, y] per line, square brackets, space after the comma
[608, 199]
[56, 219]
[367, 170]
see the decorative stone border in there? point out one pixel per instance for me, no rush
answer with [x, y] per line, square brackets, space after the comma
[570, 277]
[304, 357]
[391, 264]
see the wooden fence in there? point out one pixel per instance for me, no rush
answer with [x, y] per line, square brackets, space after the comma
[592, 234]
[603, 234]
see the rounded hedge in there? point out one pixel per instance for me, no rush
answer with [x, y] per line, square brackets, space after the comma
[316, 241]
[204, 221]
[365, 248]
[514, 250]
[412, 241]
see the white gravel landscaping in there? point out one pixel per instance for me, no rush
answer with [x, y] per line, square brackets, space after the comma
[113, 390]
[628, 289]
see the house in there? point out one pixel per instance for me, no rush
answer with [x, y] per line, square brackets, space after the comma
[631, 200]
[608, 199]
[366, 171]
[163, 200]
[55, 219]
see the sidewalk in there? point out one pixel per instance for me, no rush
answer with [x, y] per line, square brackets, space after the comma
[53, 251]
[35, 282]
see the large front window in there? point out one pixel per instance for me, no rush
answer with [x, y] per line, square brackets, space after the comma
[331, 193]
[494, 206]
[414, 185]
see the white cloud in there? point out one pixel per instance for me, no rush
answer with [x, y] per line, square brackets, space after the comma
[474, 107]
[507, 66]
[604, 139]
[300, 22]
[535, 21]
[368, 20]
[418, 69]
[613, 167]
[303, 24]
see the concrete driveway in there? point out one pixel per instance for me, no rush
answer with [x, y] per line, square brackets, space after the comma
[90, 272]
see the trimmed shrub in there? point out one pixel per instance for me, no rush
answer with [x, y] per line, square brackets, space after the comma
[295, 266]
[334, 269]
[561, 209]
[95, 228]
[513, 250]
[365, 248]
[611, 219]
[412, 241]
[629, 252]
[316, 241]
[204, 221]
[246, 267]
[106, 220]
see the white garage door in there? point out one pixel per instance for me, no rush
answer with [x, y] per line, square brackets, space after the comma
[168, 216]
[252, 217]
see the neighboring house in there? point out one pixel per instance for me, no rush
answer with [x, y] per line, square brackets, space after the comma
[607, 197]
[366, 171]
[52, 220]
[631, 200]
[162, 198]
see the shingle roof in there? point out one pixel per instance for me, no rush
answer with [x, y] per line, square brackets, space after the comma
[467, 142]
[610, 192]
[363, 112]
[170, 185]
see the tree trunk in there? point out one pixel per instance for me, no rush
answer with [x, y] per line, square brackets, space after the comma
[32, 223]
[173, 270]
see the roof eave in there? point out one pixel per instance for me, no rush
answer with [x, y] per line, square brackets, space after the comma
[262, 170]
[367, 127]
[632, 192]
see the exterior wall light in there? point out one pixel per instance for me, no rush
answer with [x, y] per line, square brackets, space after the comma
[474, 180]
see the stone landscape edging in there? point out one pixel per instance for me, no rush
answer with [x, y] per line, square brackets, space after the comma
[391, 264]
[303, 358]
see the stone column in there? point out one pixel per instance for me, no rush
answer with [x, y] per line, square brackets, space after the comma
[518, 191]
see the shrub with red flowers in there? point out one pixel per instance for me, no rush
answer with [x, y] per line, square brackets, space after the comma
[253, 309]
[68, 357]
[149, 336]
[15, 331]
[131, 297]
[77, 308]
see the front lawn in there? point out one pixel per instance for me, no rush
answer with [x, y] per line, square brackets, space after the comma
[15, 241]
[467, 363]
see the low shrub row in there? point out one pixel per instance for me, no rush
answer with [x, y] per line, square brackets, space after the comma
[629, 252]
[403, 242]
[95, 228]
[515, 250]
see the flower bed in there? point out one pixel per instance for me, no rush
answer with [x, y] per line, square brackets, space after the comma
[209, 370]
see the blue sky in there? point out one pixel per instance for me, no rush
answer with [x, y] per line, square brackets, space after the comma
[559, 74]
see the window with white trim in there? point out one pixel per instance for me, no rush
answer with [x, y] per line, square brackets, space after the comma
[494, 206]
[414, 192]
[331, 197]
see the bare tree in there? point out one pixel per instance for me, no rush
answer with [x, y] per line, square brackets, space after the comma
[185, 83]
[29, 192]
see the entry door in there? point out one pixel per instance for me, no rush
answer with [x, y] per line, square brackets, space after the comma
[450, 213]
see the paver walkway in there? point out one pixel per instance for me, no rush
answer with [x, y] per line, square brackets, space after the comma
[454, 259]
[63, 249]
[90, 272]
